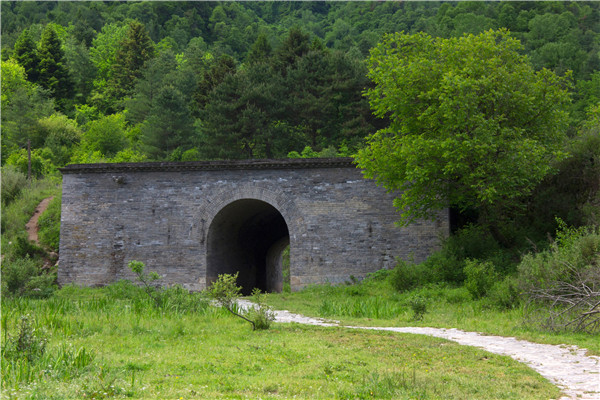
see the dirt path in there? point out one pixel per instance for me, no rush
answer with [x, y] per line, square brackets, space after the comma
[32, 226]
[577, 375]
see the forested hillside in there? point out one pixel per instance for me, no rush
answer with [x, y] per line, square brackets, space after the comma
[132, 81]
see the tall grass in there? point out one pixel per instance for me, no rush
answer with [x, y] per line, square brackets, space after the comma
[114, 342]
[16, 214]
[371, 307]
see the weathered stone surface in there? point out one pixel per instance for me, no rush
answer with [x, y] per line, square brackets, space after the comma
[192, 221]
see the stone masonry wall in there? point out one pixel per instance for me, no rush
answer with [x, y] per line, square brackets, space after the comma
[339, 223]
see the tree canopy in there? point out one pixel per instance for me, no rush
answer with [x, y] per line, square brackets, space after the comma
[472, 124]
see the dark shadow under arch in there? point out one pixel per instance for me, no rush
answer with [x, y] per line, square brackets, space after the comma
[247, 236]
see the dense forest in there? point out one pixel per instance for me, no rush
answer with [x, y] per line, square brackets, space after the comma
[131, 81]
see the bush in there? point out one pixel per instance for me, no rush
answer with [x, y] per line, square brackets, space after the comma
[561, 284]
[406, 276]
[13, 181]
[28, 344]
[22, 277]
[443, 266]
[480, 277]
[22, 248]
[49, 225]
[418, 305]
[226, 292]
[261, 314]
[504, 294]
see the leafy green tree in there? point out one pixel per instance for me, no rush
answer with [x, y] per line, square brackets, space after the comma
[54, 74]
[60, 135]
[472, 125]
[106, 135]
[102, 55]
[26, 55]
[23, 104]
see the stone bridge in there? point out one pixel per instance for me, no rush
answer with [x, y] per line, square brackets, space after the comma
[192, 221]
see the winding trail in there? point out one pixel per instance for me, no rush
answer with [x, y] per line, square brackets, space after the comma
[568, 367]
[32, 226]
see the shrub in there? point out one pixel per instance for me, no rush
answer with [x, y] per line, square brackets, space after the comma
[443, 266]
[147, 279]
[261, 314]
[504, 294]
[418, 305]
[13, 181]
[480, 277]
[22, 277]
[406, 276]
[226, 293]
[23, 247]
[561, 284]
[49, 225]
[28, 344]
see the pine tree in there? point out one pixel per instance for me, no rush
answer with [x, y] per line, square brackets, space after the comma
[26, 55]
[134, 50]
[54, 75]
[260, 51]
[170, 126]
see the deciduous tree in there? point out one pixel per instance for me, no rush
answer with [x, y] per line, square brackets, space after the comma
[472, 125]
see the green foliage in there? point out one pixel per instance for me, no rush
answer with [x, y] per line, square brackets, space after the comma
[132, 53]
[22, 277]
[13, 182]
[49, 225]
[504, 294]
[106, 135]
[53, 73]
[28, 344]
[559, 283]
[60, 135]
[41, 165]
[418, 305]
[260, 312]
[573, 193]
[147, 279]
[406, 276]
[26, 55]
[226, 293]
[225, 290]
[471, 123]
[480, 277]
[575, 249]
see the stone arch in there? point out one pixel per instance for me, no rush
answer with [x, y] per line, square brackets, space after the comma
[247, 232]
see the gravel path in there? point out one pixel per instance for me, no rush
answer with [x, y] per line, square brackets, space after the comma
[577, 375]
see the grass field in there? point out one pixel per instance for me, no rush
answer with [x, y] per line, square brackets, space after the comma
[113, 343]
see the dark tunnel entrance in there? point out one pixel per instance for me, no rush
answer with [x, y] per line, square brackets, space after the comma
[247, 236]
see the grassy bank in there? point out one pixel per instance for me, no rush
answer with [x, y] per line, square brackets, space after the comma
[113, 343]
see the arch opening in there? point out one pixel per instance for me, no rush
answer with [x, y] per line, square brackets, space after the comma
[247, 236]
